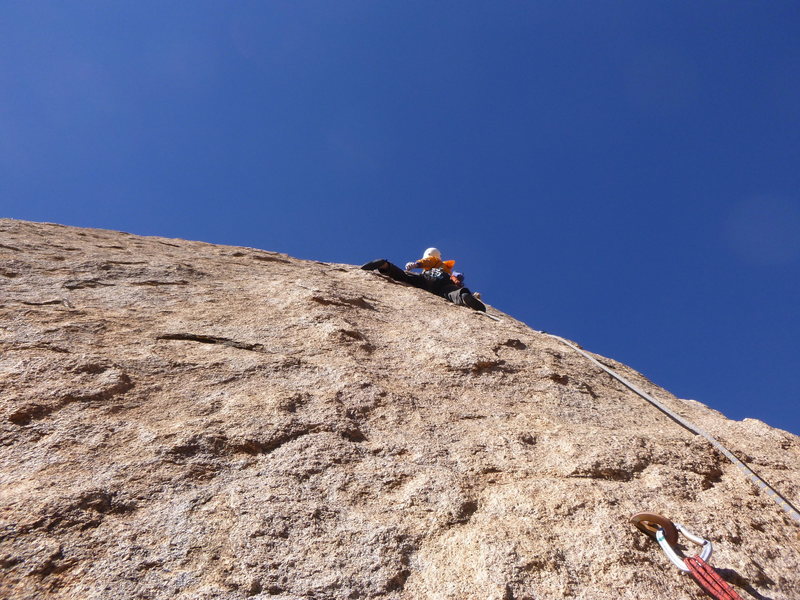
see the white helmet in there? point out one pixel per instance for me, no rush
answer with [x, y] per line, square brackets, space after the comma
[432, 252]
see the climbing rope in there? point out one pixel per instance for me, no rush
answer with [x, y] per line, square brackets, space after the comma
[779, 500]
[666, 534]
[709, 580]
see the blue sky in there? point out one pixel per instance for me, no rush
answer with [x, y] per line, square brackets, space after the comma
[624, 174]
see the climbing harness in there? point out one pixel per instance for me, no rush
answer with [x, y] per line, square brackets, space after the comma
[666, 534]
[779, 500]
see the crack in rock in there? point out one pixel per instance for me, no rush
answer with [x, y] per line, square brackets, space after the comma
[512, 343]
[212, 339]
[77, 284]
[154, 282]
[489, 366]
[42, 303]
[347, 302]
[119, 384]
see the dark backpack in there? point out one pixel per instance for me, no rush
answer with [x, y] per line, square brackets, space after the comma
[437, 275]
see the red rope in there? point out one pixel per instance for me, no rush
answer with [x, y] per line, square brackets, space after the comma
[708, 579]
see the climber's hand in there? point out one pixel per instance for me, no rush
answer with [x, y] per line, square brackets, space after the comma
[411, 265]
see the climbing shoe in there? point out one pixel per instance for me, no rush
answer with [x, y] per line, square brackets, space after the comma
[473, 302]
[379, 264]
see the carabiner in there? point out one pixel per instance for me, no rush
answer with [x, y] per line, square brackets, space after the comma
[666, 534]
[676, 558]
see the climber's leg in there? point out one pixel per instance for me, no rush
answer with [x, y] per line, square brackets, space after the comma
[463, 297]
[396, 273]
[375, 264]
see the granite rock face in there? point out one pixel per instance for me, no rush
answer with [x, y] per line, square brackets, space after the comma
[181, 420]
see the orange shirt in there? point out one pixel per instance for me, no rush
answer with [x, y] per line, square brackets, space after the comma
[431, 262]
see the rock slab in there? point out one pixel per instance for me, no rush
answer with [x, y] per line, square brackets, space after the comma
[191, 421]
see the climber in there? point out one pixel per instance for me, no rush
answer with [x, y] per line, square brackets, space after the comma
[437, 277]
